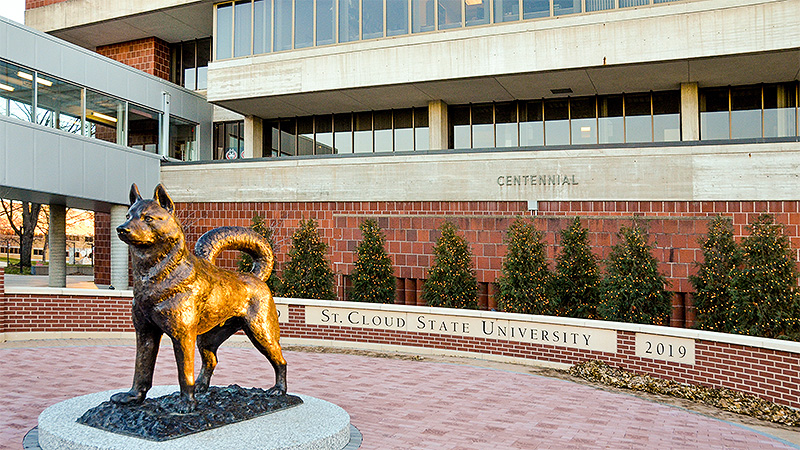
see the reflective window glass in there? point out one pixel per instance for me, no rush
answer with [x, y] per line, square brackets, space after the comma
[506, 10]
[423, 15]
[714, 117]
[241, 32]
[599, 5]
[482, 126]
[143, 128]
[343, 133]
[362, 132]
[271, 139]
[262, 26]
[780, 118]
[421, 130]
[59, 104]
[305, 136]
[638, 118]
[282, 36]
[561, 7]
[188, 65]
[746, 112]
[531, 126]
[666, 116]
[303, 23]
[506, 125]
[583, 121]
[348, 20]
[610, 126]
[288, 137]
[103, 117]
[182, 139]
[382, 123]
[477, 12]
[629, 3]
[449, 14]
[532, 9]
[16, 91]
[203, 56]
[324, 134]
[228, 140]
[556, 122]
[224, 31]
[403, 130]
[396, 17]
[459, 120]
[372, 16]
[326, 22]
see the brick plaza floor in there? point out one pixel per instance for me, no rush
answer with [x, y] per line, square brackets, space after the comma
[396, 403]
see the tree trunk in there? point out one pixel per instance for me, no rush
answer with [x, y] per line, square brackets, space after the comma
[30, 216]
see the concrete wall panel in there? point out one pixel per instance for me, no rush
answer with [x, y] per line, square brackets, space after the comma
[48, 159]
[19, 169]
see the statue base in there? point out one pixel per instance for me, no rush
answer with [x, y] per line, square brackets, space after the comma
[314, 424]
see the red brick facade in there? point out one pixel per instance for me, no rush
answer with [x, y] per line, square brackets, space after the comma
[30, 4]
[149, 55]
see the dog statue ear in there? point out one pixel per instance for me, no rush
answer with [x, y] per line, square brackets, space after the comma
[134, 195]
[160, 195]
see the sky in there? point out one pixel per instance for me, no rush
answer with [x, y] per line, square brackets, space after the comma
[13, 9]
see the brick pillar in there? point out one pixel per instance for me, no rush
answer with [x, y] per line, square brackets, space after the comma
[2, 301]
[677, 318]
[150, 55]
[689, 311]
[410, 291]
[483, 296]
[420, 301]
[400, 292]
[492, 300]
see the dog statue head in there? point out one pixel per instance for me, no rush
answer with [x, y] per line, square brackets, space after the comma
[150, 222]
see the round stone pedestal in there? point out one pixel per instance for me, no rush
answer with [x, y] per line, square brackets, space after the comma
[314, 425]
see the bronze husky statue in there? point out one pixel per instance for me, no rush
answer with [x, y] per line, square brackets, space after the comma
[185, 296]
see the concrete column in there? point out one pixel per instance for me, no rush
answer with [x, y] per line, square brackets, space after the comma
[253, 137]
[438, 126]
[690, 112]
[57, 241]
[119, 250]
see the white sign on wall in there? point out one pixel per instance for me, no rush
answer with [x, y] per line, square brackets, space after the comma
[665, 348]
[283, 313]
[508, 330]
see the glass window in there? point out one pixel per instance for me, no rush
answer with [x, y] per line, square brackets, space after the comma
[241, 33]
[326, 22]
[324, 134]
[459, 120]
[561, 7]
[666, 116]
[384, 141]
[610, 126]
[228, 140]
[182, 140]
[532, 9]
[449, 14]
[305, 136]
[403, 130]
[482, 126]
[288, 139]
[746, 112]
[348, 21]
[188, 65]
[599, 5]
[531, 126]
[629, 3]
[362, 132]
[373, 19]
[714, 118]
[583, 123]
[780, 102]
[477, 12]
[638, 118]
[104, 117]
[271, 139]
[506, 10]
[59, 104]
[262, 26]
[343, 133]
[556, 122]
[506, 125]
[423, 15]
[16, 91]
[282, 37]
[203, 56]
[303, 23]
[143, 129]
[396, 17]
[421, 130]
[224, 30]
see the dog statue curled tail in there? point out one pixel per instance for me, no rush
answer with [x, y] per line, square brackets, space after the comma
[195, 303]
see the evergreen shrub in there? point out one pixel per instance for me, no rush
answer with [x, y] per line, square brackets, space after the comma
[373, 277]
[713, 282]
[308, 272]
[260, 226]
[576, 283]
[451, 279]
[524, 286]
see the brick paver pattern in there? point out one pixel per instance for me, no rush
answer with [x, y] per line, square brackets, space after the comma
[397, 404]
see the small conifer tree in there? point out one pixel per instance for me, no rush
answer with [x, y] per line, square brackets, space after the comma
[451, 282]
[721, 258]
[633, 289]
[765, 301]
[524, 286]
[373, 278]
[260, 226]
[308, 272]
[576, 283]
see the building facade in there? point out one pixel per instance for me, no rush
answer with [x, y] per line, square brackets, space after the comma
[417, 112]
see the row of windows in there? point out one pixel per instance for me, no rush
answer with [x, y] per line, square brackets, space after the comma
[189, 63]
[742, 112]
[36, 97]
[252, 27]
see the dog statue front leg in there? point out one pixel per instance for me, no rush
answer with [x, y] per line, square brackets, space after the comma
[183, 344]
[147, 342]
